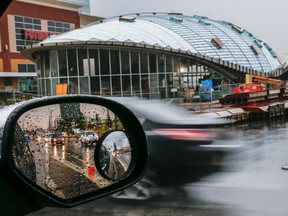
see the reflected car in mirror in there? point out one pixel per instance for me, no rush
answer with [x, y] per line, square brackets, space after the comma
[58, 139]
[89, 138]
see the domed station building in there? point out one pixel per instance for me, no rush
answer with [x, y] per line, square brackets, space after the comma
[152, 55]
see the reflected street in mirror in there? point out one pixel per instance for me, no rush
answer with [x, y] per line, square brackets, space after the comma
[54, 147]
[115, 154]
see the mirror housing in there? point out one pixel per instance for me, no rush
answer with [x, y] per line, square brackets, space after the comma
[129, 150]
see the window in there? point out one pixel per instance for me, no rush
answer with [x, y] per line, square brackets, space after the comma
[83, 62]
[93, 55]
[95, 86]
[72, 62]
[104, 62]
[62, 62]
[169, 64]
[125, 64]
[105, 85]
[115, 64]
[161, 63]
[73, 86]
[135, 62]
[26, 68]
[22, 23]
[152, 63]
[116, 85]
[58, 27]
[144, 63]
[53, 56]
[46, 65]
[84, 85]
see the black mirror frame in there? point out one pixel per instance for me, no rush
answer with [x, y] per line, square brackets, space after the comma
[132, 127]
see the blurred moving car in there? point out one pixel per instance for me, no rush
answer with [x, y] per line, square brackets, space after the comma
[57, 139]
[182, 145]
[88, 138]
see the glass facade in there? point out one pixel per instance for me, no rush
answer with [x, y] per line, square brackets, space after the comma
[143, 58]
[85, 5]
[216, 39]
[236, 43]
[119, 72]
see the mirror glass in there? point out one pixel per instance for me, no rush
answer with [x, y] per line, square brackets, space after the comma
[114, 155]
[54, 147]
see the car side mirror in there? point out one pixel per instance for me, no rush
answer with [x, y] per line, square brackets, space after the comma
[61, 168]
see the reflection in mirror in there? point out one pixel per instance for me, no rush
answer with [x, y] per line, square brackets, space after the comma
[54, 147]
[114, 154]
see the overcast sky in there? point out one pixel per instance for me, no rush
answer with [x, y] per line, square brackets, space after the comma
[266, 19]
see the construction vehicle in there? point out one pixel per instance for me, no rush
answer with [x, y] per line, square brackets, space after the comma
[256, 89]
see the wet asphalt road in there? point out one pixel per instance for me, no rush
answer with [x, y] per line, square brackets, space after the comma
[251, 183]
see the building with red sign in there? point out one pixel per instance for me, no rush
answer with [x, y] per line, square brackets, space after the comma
[28, 22]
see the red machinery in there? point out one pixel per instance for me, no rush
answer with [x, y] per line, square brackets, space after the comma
[256, 89]
[249, 87]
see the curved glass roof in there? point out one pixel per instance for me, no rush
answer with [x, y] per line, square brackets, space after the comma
[196, 34]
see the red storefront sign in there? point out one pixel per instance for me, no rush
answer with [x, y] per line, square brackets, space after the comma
[37, 35]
